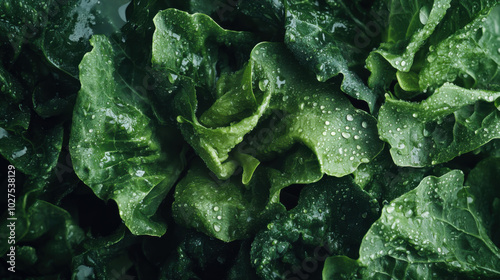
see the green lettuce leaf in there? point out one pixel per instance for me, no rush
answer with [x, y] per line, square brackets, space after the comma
[190, 46]
[434, 231]
[386, 181]
[451, 122]
[104, 257]
[286, 107]
[197, 256]
[470, 57]
[117, 146]
[330, 40]
[415, 30]
[330, 218]
[32, 150]
[411, 23]
[47, 237]
[225, 210]
[22, 21]
[485, 175]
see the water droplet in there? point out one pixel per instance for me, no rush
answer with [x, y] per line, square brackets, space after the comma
[327, 123]
[408, 213]
[216, 227]
[216, 208]
[280, 82]
[349, 118]
[346, 135]
[364, 124]
[263, 84]
[424, 15]
[426, 132]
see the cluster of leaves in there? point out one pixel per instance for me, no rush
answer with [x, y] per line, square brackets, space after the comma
[252, 139]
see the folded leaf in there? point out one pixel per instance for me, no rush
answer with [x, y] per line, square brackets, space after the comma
[223, 209]
[330, 218]
[292, 107]
[386, 181]
[330, 40]
[190, 45]
[451, 122]
[117, 146]
[410, 25]
[433, 231]
[469, 57]
[69, 25]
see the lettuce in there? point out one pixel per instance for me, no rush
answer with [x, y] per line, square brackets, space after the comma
[258, 139]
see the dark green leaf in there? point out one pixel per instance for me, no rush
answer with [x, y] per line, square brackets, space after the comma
[225, 210]
[451, 122]
[327, 40]
[434, 231]
[331, 218]
[117, 146]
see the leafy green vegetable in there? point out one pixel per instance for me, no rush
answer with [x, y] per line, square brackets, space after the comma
[434, 228]
[326, 123]
[224, 210]
[469, 57]
[51, 225]
[117, 147]
[326, 40]
[307, 234]
[196, 252]
[250, 139]
[449, 123]
[410, 25]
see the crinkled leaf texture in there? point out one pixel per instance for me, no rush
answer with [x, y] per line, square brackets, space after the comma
[197, 39]
[410, 25]
[451, 122]
[331, 40]
[436, 231]
[470, 57]
[225, 210]
[386, 181]
[33, 148]
[190, 45]
[331, 217]
[42, 223]
[117, 146]
[283, 106]
[443, 31]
